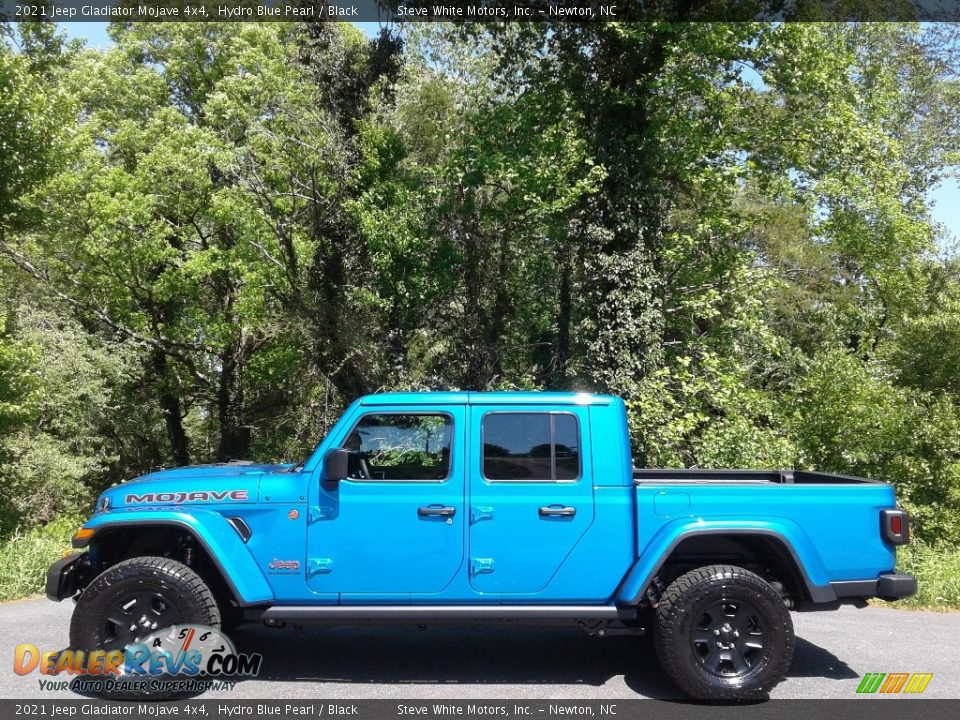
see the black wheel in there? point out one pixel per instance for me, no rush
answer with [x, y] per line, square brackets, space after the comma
[723, 633]
[136, 598]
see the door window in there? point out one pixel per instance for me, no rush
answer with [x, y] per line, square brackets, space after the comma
[531, 447]
[399, 447]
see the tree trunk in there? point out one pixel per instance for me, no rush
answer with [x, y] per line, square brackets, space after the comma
[624, 288]
[172, 410]
[564, 313]
[476, 320]
[502, 310]
[234, 435]
[478, 344]
[338, 336]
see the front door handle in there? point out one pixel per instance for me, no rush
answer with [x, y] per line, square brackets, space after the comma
[557, 511]
[436, 511]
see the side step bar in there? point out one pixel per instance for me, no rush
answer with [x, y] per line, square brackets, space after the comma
[421, 613]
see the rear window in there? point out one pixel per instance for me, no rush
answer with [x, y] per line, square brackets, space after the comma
[533, 447]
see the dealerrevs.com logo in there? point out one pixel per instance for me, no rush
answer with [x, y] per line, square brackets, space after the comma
[180, 658]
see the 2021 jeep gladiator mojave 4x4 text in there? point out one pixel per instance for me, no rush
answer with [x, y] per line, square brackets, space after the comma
[461, 507]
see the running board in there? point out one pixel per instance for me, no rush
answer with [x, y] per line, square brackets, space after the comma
[422, 613]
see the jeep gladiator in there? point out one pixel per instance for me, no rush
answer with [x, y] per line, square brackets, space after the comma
[462, 507]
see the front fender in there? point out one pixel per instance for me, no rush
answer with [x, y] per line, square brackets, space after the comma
[788, 533]
[212, 531]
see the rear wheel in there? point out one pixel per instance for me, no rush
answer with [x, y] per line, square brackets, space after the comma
[135, 599]
[723, 633]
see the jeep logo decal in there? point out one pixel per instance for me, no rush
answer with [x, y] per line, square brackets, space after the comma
[278, 564]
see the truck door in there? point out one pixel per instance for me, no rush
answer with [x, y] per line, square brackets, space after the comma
[531, 495]
[394, 527]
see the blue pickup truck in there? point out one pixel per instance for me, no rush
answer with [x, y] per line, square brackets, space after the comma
[463, 507]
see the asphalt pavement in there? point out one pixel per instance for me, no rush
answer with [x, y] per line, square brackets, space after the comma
[834, 650]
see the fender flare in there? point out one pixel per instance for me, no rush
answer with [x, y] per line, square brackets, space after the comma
[213, 533]
[790, 536]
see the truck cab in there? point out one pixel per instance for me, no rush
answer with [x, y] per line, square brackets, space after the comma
[462, 507]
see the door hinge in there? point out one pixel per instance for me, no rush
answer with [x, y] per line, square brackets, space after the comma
[320, 566]
[481, 566]
[480, 512]
[316, 513]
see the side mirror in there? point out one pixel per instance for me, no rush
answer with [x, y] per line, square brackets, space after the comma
[336, 464]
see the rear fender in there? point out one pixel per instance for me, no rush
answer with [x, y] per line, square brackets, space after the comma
[214, 534]
[788, 533]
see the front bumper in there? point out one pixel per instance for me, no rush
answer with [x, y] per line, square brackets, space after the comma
[890, 586]
[68, 576]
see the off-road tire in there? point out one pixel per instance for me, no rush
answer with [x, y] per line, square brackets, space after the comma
[685, 634]
[191, 600]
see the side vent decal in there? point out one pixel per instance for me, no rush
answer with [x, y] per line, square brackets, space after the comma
[243, 530]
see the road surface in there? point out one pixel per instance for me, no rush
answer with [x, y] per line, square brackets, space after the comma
[834, 649]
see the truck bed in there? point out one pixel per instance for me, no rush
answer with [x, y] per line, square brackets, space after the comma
[829, 524]
[779, 477]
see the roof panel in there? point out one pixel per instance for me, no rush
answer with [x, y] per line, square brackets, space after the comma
[487, 398]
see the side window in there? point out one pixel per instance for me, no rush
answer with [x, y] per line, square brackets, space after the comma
[533, 447]
[400, 447]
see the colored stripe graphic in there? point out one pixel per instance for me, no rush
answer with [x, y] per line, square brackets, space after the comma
[891, 683]
[918, 682]
[870, 683]
[894, 682]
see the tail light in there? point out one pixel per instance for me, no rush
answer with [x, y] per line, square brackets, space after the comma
[895, 526]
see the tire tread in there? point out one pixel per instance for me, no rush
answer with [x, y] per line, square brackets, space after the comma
[188, 582]
[676, 601]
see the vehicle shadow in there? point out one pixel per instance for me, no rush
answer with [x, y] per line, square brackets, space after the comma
[453, 655]
[479, 655]
[811, 660]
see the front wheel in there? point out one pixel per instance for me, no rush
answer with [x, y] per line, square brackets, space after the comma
[723, 633]
[135, 599]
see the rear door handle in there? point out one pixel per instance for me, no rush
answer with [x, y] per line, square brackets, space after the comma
[436, 511]
[557, 511]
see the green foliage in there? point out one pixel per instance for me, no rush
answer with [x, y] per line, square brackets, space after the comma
[925, 352]
[17, 385]
[848, 417]
[937, 569]
[215, 236]
[702, 414]
[23, 134]
[69, 449]
[25, 556]
[404, 457]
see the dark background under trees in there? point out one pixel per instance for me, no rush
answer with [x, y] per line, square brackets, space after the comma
[215, 236]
